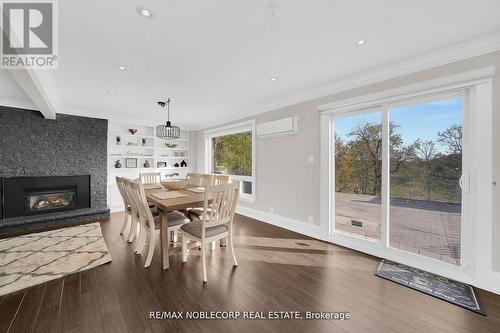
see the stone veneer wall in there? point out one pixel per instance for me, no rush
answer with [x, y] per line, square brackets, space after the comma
[31, 145]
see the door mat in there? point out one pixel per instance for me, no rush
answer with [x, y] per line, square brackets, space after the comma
[451, 291]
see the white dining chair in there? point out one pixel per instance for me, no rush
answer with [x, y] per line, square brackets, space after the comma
[149, 223]
[215, 224]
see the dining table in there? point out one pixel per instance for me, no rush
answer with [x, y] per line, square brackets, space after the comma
[169, 200]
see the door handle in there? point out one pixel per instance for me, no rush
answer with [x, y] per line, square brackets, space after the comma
[464, 182]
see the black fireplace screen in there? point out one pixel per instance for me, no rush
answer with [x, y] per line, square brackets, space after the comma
[45, 201]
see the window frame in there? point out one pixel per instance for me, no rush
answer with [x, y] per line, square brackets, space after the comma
[240, 127]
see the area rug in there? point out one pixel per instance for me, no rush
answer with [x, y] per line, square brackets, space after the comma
[36, 258]
[451, 291]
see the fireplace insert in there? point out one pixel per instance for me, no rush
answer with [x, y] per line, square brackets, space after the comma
[25, 196]
[40, 202]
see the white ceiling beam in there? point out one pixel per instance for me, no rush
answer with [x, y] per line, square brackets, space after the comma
[38, 85]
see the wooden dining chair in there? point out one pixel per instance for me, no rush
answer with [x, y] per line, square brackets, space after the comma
[149, 223]
[150, 179]
[215, 224]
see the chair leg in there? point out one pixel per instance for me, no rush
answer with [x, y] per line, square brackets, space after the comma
[141, 239]
[230, 238]
[132, 230]
[151, 249]
[184, 248]
[125, 222]
[204, 261]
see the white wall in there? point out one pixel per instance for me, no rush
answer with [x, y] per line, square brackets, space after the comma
[287, 182]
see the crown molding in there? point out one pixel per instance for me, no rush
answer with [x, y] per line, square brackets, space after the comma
[461, 51]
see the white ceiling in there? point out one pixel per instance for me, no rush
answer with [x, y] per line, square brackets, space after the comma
[200, 52]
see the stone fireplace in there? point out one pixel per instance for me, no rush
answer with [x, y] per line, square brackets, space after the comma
[53, 173]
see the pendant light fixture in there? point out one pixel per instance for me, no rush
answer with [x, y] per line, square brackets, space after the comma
[167, 131]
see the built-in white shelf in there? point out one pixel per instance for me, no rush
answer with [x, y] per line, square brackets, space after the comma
[154, 147]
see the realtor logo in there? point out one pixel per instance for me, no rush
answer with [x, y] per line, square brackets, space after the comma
[29, 37]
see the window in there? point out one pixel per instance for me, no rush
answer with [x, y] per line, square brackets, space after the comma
[231, 151]
[232, 154]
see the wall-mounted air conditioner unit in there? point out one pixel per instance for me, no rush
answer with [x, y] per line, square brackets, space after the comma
[275, 128]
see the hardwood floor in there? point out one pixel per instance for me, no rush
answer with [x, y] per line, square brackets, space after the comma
[278, 270]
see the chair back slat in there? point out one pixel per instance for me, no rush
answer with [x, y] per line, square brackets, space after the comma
[200, 179]
[221, 179]
[205, 179]
[150, 178]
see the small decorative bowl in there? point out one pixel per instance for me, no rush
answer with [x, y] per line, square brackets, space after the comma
[171, 145]
[132, 130]
[177, 184]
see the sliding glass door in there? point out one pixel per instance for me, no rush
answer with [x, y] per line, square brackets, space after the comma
[425, 171]
[397, 176]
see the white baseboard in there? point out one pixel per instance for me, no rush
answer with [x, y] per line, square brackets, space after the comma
[281, 221]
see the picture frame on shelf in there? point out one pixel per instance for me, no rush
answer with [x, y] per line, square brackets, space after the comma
[161, 164]
[131, 163]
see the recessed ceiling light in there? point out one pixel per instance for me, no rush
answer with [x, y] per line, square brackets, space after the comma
[361, 42]
[112, 92]
[122, 68]
[274, 79]
[227, 99]
[144, 12]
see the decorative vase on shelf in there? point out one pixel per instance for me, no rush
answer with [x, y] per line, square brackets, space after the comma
[183, 164]
[118, 164]
[146, 164]
[118, 140]
[143, 141]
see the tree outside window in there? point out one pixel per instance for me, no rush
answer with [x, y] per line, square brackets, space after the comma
[232, 154]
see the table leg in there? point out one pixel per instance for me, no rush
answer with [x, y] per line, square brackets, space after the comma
[164, 240]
